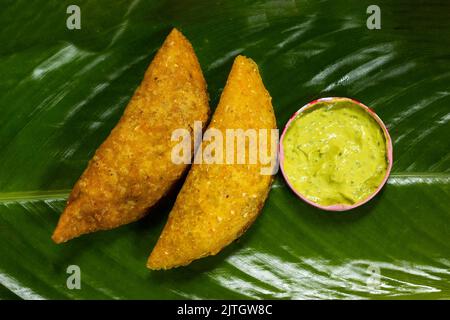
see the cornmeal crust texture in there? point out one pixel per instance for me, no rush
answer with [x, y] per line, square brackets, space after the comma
[218, 202]
[132, 169]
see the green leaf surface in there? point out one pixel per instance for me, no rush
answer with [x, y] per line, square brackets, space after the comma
[62, 91]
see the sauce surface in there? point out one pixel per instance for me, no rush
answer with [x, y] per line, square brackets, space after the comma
[335, 153]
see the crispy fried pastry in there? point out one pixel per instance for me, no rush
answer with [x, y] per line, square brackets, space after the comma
[132, 169]
[218, 202]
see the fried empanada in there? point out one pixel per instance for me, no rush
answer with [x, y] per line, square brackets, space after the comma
[132, 169]
[218, 202]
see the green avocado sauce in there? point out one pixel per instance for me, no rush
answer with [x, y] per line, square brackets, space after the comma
[335, 153]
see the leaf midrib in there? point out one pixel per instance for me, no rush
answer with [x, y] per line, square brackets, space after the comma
[62, 194]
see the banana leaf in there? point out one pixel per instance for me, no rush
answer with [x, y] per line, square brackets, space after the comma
[62, 91]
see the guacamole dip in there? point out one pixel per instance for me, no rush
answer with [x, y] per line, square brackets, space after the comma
[335, 153]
